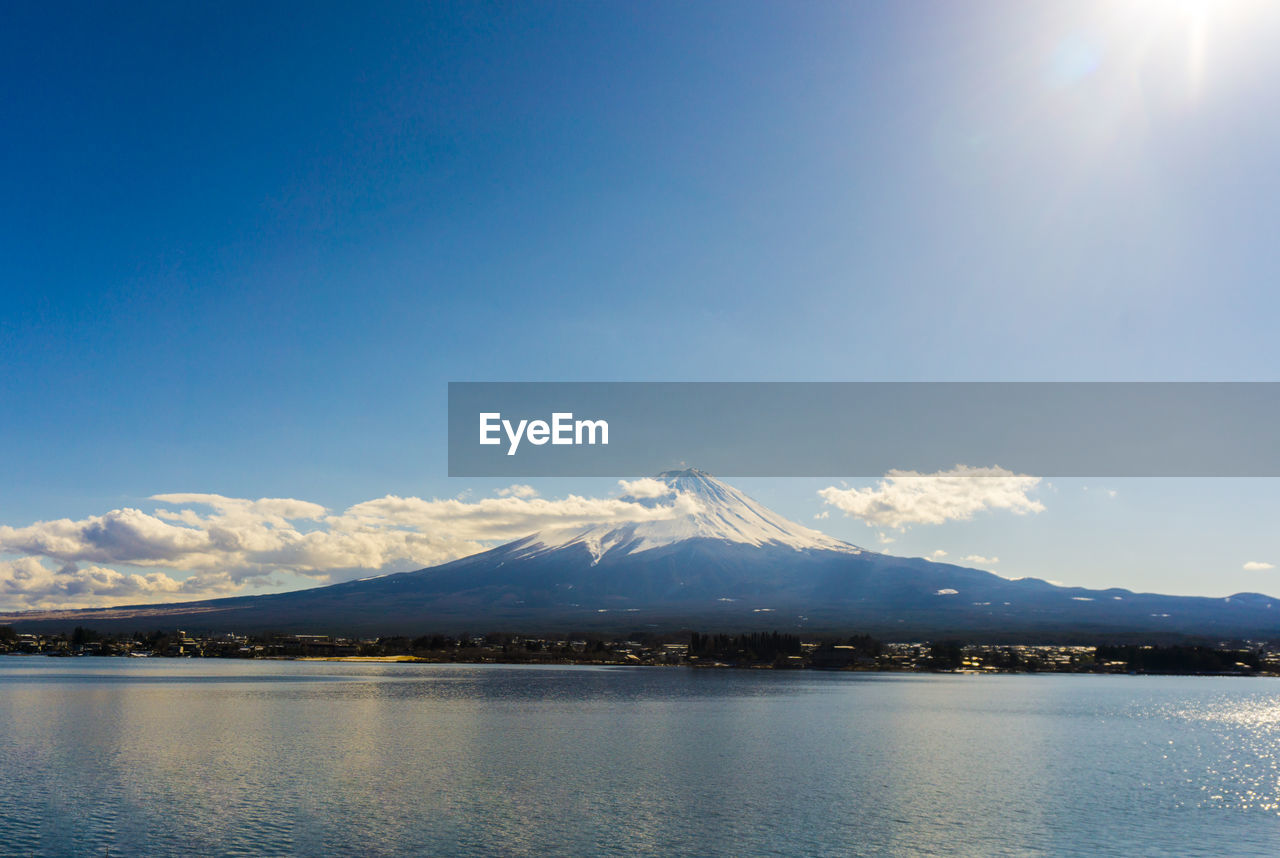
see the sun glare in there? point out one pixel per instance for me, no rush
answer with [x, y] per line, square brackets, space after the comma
[1184, 47]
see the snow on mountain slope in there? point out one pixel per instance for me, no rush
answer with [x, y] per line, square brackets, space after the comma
[702, 508]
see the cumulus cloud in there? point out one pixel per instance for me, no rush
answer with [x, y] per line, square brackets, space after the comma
[645, 487]
[904, 498]
[28, 583]
[518, 491]
[1258, 566]
[225, 543]
[120, 533]
[979, 559]
[938, 555]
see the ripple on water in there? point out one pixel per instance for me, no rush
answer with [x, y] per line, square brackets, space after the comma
[463, 761]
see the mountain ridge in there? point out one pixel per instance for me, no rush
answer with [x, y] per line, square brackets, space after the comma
[712, 559]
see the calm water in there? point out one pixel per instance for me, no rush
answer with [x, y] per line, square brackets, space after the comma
[157, 757]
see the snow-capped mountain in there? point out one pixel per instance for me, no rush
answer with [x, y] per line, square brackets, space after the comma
[705, 556]
[702, 507]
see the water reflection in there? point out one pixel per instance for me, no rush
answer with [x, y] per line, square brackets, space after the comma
[218, 758]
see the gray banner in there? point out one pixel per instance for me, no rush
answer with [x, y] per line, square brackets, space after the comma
[863, 429]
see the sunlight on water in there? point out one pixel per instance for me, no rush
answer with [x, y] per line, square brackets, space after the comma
[1234, 760]
[217, 758]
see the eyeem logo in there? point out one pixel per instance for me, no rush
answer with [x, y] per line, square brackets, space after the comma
[562, 429]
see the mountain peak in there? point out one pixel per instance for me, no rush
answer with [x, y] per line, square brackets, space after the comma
[701, 507]
[692, 480]
[678, 473]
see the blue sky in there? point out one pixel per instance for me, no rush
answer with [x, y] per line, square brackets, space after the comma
[244, 248]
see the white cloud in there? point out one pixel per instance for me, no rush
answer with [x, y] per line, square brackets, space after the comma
[645, 487]
[119, 533]
[1258, 566]
[228, 542]
[947, 591]
[822, 516]
[904, 498]
[28, 583]
[938, 555]
[518, 491]
[979, 559]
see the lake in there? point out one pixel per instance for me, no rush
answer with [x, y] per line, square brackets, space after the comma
[210, 757]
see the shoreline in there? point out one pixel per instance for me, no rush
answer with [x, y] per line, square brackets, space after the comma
[412, 659]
